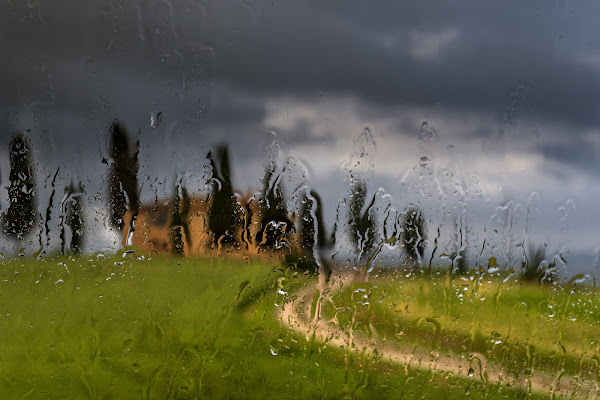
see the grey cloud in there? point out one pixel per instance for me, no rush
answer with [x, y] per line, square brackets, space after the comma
[311, 47]
[139, 56]
[576, 152]
[308, 52]
[211, 67]
[303, 133]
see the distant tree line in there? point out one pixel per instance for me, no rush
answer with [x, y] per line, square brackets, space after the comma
[299, 235]
[21, 216]
[262, 222]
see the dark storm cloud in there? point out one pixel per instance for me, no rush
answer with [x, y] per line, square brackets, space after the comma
[577, 152]
[341, 47]
[137, 56]
[306, 51]
[229, 106]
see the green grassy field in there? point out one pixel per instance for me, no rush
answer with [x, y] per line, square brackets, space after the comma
[523, 330]
[171, 328]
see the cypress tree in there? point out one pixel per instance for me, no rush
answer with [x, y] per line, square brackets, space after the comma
[122, 179]
[20, 216]
[308, 224]
[360, 221]
[179, 224]
[221, 213]
[413, 236]
[274, 215]
[73, 211]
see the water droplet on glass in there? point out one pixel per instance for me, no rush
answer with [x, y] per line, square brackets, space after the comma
[423, 161]
[427, 134]
[155, 119]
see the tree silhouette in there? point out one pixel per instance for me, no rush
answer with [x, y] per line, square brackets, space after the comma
[536, 267]
[48, 216]
[222, 210]
[413, 236]
[179, 224]
[274, 216]
[460, 257]
[361, 222]
[73, 218]
[248, 215]
[311, 230]
[122, 178]
[321, 235]
[19, 218]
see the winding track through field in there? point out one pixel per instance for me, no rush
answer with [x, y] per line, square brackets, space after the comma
[296, 315]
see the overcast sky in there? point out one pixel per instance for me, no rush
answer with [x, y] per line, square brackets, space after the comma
[509, 91]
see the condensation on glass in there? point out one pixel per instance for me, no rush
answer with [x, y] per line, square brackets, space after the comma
[207, 199]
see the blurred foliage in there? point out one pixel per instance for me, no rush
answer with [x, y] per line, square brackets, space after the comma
[275, 223]
[73, 218]
[361, 221]
[123, 189]
[414, 236]
[536, 267]
[179, 224]
[18, 220]
[222, 218]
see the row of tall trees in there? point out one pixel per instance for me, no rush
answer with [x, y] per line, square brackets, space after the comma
[263, 222]
[228, 221]
[19, 218]
[300, 232]
[21, 215]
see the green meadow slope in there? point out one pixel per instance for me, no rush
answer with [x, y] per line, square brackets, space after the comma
[173, 328]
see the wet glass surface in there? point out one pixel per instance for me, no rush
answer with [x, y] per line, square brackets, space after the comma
[266, 199]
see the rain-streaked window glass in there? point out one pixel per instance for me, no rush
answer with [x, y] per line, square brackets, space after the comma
[215, 199]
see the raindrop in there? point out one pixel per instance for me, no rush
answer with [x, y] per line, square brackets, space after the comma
[155, 119]
[423, 161]
[427, 134]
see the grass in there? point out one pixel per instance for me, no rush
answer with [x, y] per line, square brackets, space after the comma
[124, 327]
[526, 329]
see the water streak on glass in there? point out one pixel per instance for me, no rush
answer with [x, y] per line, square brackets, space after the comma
[260, 199]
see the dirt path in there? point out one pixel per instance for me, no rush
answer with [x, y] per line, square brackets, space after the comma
[296, 315]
